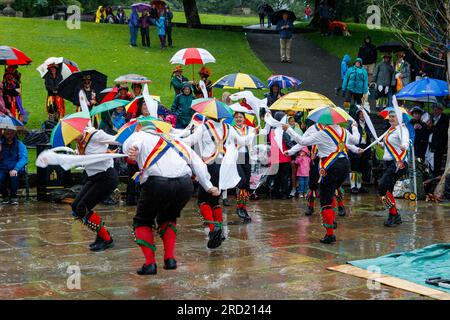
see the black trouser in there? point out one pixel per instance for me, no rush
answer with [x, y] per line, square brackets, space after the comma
[353, 97]
[132, 186]
[281, 183]
[333, 180]
[261, 19]
[145, 34]
[390, 177]
[203, 195]
[324, 25]
[314, 174]
[437, 167]
[245, 171]
[169, 36]
[359, 163]
[97, 189]
[163, 199]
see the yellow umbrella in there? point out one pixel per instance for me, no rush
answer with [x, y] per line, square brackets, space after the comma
[301, 101]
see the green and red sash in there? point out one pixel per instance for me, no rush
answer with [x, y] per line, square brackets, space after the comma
[341, 149]
[398, 157]
[218, 141]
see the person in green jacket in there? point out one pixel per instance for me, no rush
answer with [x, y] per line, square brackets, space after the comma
[181, 106]
[177, 80]
[356, 82]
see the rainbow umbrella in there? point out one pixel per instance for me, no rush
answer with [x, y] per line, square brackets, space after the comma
[284, 81]
[212, 108]
[131, 107]
[69, 128]
[148, 123]
[329, 115]
[239, 81]
[385, 113]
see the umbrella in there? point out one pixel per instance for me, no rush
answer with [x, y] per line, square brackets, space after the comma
[212, 108]
[300, 101]
[430, 99]
[107, 94]
[142, 123]
[132, 78]
[329, 115]
[239, 81]
[11, 123]
[277, 16]
[141, 7]
[192, 56]
[107, 106]
[391, 46]
[69, 87]
[69, 128]
[249, 115]
[385, 113]
[426, 87]
[66, 66]
[284, 81]
[11, 56]
[132, 105]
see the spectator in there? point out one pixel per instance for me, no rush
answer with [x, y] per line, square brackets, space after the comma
[118, 118]
[144, 24]
[89, 92]
[13, 159]
[402, 70]
[268, 10]
[438, 138]
[355, 83]
[324, 17]
[52, 79]
[294, 125]
[137, 90]
[100, 15]
[411, 58]
[307, 12]
[384, 77]
[11, 93]
[134, 27]
[153, 14]
[439, 71]
[421, 133]
[110, 18]
[344, 68]
[123, 93]
[121, 16]
[274, 93]
[161, 26]
[285, 28]
[203, 89]
[177, 80]
[425, 68]
[368, 53]
[169, 17]
[262, 14]
[181, 106]
[303, 161]
[3, 109]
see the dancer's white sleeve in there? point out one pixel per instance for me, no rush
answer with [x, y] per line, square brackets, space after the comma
[200, 170]
[354, 136]
[294, 149]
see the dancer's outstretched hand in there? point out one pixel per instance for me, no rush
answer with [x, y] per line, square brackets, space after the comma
[133, 152]
[285, 127]
[214, 191]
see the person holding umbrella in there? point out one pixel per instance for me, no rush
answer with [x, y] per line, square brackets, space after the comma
[274, 93]
[203, 89]
[285, 26]
[421, 132]
[134, 27]
[54, 101]
[87, 92]
[13, 159]
[177, 81]
[144, 24]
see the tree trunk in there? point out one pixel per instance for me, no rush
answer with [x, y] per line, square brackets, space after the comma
[191, 13]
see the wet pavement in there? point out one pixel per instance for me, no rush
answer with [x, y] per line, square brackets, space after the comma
[277, 256]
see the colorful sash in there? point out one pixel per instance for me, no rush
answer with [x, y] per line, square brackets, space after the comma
[341, 149]
[81, 146]
[219, 142]
[398, 157]
[163, 145]
[314, 149]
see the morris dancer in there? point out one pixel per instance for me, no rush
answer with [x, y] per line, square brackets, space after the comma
[334, 167]
[102, 181]
[211, 137]
[396, 144]
[166, 187]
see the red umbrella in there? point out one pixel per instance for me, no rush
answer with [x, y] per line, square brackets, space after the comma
[11, 56]
[192, 56]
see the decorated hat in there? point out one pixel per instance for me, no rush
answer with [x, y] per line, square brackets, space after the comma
[205, 70]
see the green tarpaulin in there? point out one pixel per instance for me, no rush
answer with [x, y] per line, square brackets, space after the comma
[415, 266]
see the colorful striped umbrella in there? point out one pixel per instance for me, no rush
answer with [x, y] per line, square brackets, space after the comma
[11, 123]
[301, 101]
[405, 114]
[13, 57]
[66, 66]
[142, 123]
[239, 81]
[132, 106]
[69, 128]
[284, 81]
[192, 56]
[329, 115]
[107, 106]
[249, 115]
[212, 108]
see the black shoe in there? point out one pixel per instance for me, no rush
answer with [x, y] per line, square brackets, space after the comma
[341, 211]
[354, 191]
[393, 220]
[226, 202]
[309, 211]
[145, 270]
[215, 238]
[102, 245]
[242, 213]
[328, 239]
[97, 240]
[363, 190]
[170, 264]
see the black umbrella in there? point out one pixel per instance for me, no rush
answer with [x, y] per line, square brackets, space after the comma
[69, 87]
[391, 46]
[277, 16]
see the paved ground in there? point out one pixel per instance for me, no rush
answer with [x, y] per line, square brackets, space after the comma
[319, 71]
[278, 256]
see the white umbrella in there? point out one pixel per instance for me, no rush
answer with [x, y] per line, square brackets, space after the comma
[67, 66]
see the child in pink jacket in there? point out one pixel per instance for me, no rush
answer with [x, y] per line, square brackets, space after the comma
[303, 160]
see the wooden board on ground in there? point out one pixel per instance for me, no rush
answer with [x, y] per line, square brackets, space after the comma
[391, 281]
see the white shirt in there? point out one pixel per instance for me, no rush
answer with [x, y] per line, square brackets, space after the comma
[325, 144]
[207, 147]
[171, 164]
[97, 145]
[396, 141]
[250, 130]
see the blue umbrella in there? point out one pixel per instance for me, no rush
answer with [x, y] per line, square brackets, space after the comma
[284, 81]
[7, 122]
[427, 87]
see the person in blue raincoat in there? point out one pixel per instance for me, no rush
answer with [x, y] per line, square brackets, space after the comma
[134, 27]
[344, 67]
[356, 82]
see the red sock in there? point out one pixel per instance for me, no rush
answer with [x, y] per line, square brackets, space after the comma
[218, 214]
[310, 197]
[169, 238]
[340, 199]
[393, 211]
[207, 214]
[95, 223]
[328, 219]
[144, 238]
